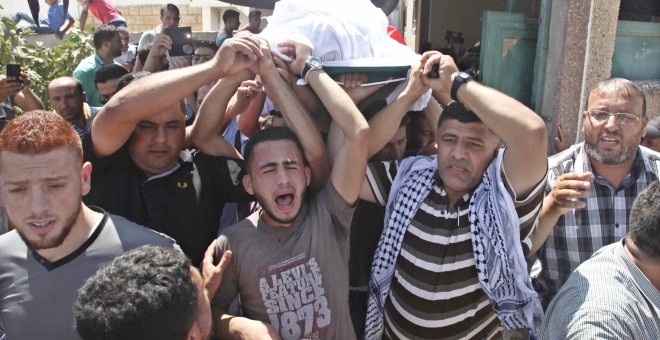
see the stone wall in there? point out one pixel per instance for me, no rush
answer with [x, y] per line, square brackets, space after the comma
[142, 18]
[651, 89]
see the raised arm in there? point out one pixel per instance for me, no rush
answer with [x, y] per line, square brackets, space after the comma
[297, 118]
[524, 132]
[62, 31]
[384, 124]
[351, 160]
[84, 12]
[252, 94]
[151, 95]
[206, 131]
[25, 98]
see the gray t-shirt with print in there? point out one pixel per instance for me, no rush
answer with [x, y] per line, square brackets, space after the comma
[294, 278]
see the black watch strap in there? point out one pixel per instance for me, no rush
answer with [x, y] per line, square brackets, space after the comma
[460, 79]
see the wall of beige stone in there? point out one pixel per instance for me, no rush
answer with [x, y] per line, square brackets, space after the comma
[142, 18]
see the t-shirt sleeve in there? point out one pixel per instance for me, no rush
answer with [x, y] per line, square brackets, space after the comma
[528, 209]
[380, 176]
[340, 210]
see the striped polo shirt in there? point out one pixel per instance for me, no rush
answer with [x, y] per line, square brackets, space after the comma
[435, 292]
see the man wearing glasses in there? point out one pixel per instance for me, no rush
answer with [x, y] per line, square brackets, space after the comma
[591, 185]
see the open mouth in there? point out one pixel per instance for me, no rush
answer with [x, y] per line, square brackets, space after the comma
[457, 168]
[284, 201]
[41, 227]
[609, 141]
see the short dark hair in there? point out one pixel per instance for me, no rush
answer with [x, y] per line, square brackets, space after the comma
[620, 87]
[206, 43]
[228, 14]
[643, 238]
[272, 134]
[130, 77]
[146, 293]
[169, 7]
[463, 114]
[254, 13]
[459, 112]
[109, 72]
[103, 34]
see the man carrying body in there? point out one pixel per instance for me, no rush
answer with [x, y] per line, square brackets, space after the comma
[58, 241]
[616, 293]
[231, 20]
[107, 43]
[169, 17]
[290, 259]
[68, 100]
[452, 219]
[594, 184]
[141, 172]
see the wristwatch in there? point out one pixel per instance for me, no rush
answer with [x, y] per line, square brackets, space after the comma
[312, 63]
[459, 80]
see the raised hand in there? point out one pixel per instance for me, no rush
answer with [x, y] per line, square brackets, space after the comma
[446, 68]
[299, 52]
[567, 192]
[237, 54]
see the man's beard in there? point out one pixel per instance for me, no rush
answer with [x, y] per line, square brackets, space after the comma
[53, 241]
[626, 154]
[266, 209]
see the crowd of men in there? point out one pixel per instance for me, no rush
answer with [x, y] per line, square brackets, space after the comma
[216, 197]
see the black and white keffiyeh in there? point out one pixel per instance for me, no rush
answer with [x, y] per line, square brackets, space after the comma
[495, 237]
[412, 184]
[498, 254]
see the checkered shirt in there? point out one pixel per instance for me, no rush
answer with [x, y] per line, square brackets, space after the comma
[581, 232]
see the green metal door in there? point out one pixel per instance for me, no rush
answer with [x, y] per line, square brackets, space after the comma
[508, 50]
[637, 50]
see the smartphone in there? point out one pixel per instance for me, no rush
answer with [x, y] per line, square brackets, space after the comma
[182, 41]
[14, 70]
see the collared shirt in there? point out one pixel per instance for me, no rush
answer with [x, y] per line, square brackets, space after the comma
[85, 73]
[607, 297]
[581, 232]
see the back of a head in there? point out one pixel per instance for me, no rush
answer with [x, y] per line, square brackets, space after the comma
[620, 87]
[38, 132]
[126, 79]
[272, 134]
[206, 43]
[146, 293]
[104, 34]
[109, 72]
[228, 14]
[643, 238]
